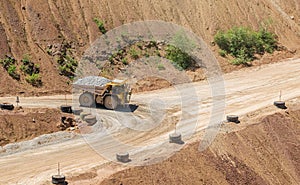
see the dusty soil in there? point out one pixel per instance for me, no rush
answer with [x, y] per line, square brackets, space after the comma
[266, 152]
[27, 123]
[28, 27]
[247, 90]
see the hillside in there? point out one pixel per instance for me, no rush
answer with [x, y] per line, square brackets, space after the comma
[32, 28]
[266, 152]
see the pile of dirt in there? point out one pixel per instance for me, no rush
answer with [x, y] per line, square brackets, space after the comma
[26, 124]
[27, 27]
[262, 153]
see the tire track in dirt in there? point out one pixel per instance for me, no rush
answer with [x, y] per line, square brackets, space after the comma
[68, 17]
[84, 19]
[32, 45]
[94, 9]
[179, 7]
[6, 48]
[285, 158]
[57, 17]
[10, 18]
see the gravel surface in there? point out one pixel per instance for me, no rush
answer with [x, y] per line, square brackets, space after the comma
[42, 140]
[92, 81]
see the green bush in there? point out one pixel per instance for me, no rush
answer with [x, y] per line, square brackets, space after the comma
[100, 25]
[28, 67]
[31, 70]
[183, 41]
[243, 43]
[26, 59]
[241, 59]
[124, 61]
[7, 62]
[12, 72]
[111, 58]
[147, 55]
[161, 67]
[23, 68]
[34, 80]
[222, 53]
[68, 66]
[180, 59]
[177, 51]
[266, 41]
[158, 53]
[9, 65]
[134, 53]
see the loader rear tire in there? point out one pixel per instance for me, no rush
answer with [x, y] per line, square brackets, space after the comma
[86, 99]
[110, 102]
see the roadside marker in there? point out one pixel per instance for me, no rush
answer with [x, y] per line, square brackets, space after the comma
[58, 169]
[280, 95]
[66, 99]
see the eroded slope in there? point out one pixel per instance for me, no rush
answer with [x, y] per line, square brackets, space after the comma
[28, 27]
[262, 153]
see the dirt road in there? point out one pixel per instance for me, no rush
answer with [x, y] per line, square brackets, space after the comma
[246, 90]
